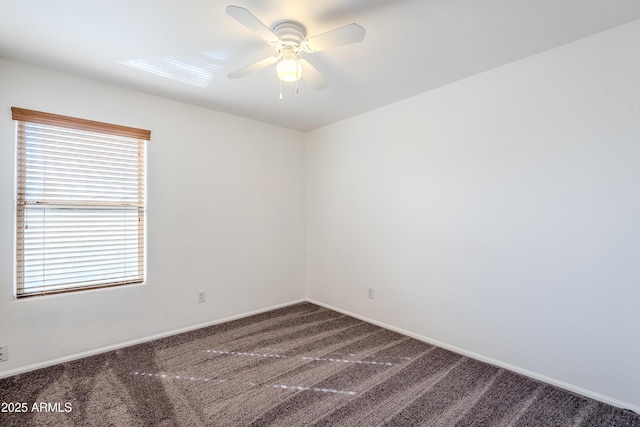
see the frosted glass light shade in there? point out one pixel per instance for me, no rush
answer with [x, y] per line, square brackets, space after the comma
[289, 70]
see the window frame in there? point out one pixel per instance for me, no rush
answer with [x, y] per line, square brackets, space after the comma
[83, 207]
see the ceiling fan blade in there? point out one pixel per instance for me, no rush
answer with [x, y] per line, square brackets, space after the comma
[312, 76]
[348, 34]
[247, 19]
[253, 67]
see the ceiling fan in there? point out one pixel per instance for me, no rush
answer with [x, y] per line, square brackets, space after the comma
[289, 39]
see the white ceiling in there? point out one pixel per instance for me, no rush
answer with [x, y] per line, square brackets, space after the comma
[410, 46]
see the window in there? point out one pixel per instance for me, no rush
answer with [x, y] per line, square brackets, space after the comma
[80, 204]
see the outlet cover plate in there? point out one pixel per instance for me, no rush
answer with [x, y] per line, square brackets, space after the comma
[202, 296]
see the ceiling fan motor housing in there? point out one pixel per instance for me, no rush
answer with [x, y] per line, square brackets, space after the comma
[291, 33]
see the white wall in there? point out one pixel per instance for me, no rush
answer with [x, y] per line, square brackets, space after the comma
[499, 215]
[225, 215]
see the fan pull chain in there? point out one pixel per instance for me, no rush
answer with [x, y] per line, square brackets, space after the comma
[281, 96]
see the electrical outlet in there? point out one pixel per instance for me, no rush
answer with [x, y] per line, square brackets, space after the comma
[370, 294]
[4, 353]
[202, 296]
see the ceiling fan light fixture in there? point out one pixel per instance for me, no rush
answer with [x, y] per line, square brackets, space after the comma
[290, 39]
[289, 68]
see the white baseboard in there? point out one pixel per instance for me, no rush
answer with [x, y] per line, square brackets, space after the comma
[47, 363]
[566, 386]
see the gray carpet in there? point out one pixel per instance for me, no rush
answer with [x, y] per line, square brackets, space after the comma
[299, 365]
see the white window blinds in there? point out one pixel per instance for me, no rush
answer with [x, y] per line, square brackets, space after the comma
[80, 204]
